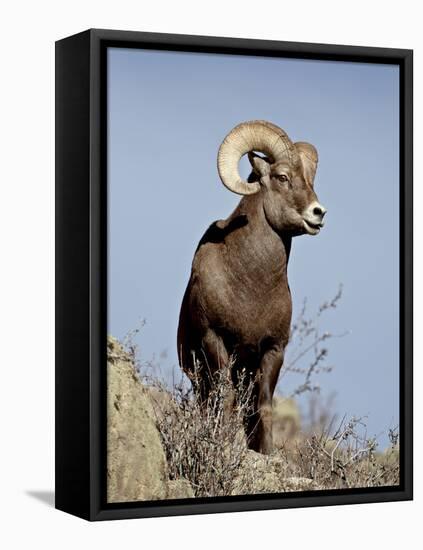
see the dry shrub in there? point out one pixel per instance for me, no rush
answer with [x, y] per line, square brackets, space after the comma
[307, 351]
[205, 444]
[334, 457]
[345, 458]
[204, 441]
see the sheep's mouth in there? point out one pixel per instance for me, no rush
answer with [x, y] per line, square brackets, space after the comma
[312, 228]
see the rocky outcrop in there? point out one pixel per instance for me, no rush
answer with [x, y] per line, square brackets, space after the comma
[136, 462]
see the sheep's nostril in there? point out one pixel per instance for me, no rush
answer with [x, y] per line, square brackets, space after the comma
[317, 211]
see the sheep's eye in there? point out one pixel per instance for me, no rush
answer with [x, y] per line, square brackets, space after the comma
[283, 177]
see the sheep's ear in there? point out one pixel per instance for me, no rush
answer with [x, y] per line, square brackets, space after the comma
[260, 165]
[309, 159]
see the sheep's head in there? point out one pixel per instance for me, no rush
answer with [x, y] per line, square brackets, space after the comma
[284, 176]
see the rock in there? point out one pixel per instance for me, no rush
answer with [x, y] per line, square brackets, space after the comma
[297, 484]
[179, 488]
[258, 474]
[266, 482]
[136, 462]
[286, 421]
[267, 474]
[161, 401]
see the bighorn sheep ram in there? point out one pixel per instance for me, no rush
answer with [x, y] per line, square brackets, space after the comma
[237, 304]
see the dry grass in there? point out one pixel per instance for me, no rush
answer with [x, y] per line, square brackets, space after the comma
[205, 443]
[342, 458]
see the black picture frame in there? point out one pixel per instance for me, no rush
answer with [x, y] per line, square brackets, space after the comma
[81, 272]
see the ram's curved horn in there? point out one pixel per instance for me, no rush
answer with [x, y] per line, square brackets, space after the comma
[309, 158]
[255, 135]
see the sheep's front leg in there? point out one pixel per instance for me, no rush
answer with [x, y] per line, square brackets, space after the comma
[270, 366]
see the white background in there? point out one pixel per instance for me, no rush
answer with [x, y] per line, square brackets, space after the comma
[27, 37]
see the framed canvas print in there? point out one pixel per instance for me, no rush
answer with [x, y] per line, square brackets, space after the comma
[233, 274]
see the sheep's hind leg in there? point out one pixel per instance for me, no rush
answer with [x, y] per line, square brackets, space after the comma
[213, 358]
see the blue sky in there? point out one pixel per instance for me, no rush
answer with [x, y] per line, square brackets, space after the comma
[167, 115]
